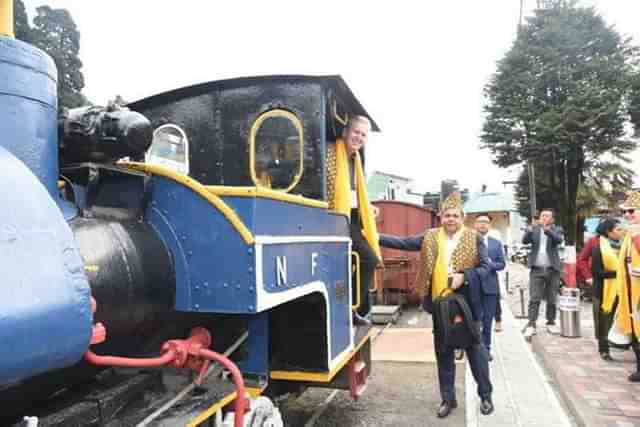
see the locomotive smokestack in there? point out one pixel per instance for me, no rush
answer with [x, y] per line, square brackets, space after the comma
[28, 104]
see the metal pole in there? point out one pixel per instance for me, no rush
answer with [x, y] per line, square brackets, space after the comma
[522, 315]
[532, 189]
[520, 18]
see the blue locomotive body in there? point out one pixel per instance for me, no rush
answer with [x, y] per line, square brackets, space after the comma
[217, 217]
[45, 314]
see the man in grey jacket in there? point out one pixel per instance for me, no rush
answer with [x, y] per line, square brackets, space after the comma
[545, 265]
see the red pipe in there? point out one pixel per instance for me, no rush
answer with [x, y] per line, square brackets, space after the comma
[241, 403]
[177, 352]
[128, 362]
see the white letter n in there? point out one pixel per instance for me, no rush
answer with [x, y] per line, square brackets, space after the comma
[281, 263]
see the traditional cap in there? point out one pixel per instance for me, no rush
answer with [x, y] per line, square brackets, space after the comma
[453, 201]
[632, 201]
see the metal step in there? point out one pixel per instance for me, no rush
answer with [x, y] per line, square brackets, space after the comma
[383, 314]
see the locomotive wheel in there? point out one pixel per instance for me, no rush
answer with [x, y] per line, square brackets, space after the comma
[263, 413]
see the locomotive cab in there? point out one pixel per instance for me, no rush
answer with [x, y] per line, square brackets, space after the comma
[265, 132]
[259, 144]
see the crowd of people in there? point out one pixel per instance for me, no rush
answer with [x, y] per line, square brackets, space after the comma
[610, 264]
[464, 262]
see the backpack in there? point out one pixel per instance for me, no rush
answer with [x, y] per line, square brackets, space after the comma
[455, 327]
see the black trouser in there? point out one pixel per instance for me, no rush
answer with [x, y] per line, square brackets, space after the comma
[543, 283]
[602, 322]
[635, 346]
[368, 262]
[477, 356]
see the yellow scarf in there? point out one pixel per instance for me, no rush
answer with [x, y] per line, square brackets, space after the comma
[609, 286]
[434, 271]
[625, 312]
[342, 195]
[440, 279]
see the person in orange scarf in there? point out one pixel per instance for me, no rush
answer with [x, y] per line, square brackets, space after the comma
[627, 317]
[347, 195]
[451, 256]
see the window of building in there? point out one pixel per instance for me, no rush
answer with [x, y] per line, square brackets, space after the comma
[276, 150]
[170, 148]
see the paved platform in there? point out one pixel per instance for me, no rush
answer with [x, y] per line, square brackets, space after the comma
[597, 393]
[404, 345]
[522, 394]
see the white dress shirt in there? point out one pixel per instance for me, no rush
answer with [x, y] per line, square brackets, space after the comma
[542, 260]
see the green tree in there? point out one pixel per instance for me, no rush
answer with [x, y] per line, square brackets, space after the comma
[21, 26]
[634, 104]
[602, 187]
[567, 84]
[545, 198]
[55, 32]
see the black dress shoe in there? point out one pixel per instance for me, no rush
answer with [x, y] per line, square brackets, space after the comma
[446, 407]
[606, 356]
[486, 406]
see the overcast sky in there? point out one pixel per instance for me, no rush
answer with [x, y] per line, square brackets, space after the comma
[417, 67]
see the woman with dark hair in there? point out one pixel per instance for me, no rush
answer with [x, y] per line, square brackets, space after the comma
[604, 266]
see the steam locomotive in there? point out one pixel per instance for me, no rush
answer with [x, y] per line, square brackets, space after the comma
[142, 243]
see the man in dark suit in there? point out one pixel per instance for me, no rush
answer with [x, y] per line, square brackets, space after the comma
[489, 292]
[544, 277]
[450, 256]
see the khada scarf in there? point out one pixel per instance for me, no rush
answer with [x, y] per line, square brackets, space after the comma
[628, 262]
[339, 191]
[434, 270]
[627, 303]
[609, 286]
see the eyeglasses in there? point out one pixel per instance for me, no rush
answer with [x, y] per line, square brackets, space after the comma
[628, 211]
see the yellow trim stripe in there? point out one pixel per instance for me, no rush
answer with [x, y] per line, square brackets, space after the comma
[356, 255]
[320, 377]
[212, 410]
[253, 392]
[265, 193]
[198, 188]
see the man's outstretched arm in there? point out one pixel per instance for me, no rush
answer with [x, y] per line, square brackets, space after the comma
[411, 243]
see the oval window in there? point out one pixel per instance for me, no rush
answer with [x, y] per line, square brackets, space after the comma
[276, 150]
[170, 148]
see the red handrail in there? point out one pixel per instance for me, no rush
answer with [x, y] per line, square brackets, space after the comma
[241, 400]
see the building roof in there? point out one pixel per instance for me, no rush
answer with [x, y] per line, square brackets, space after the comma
[390, 175]
[376, 184]
[489, 202]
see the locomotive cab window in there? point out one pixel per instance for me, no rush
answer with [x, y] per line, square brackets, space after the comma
[276, 150]
[170, 148]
